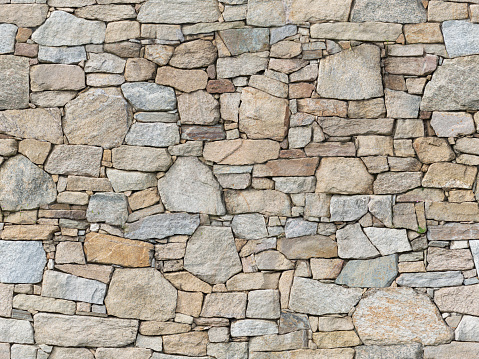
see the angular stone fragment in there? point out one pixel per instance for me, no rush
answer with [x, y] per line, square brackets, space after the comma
[396, 182]
[211, 255]
[23, 262]
[146, 96]
[410, 11]
[455, 124]
[91, 271]
[106, 12]
[163, 225]
[369, 31]
[307, 247]
[24, 186]
[348, 208]
[263, 304]
[141, 293]
[452, 212]
[23, 15]
[335, 126]
[156, 134]
[241, 152]
[402, 105]
[372, 273]
[399, 316]
[179, 11]
[194, 54]
[449, 175]
[455, 299]
[237, 350]
[182, 80]
[457, 37]
[239, 41]
[454, 350]
[433, 149]
[342, 175]
[243, 65]
[405, 351]
[430, 279]
[14, 77]
[16, 331]
[388, 241]
[104, 62]
[267, 202]
[341, 353]
[110, 208]
[74, 160]
[336, 339]
[272, 260]
[29, 232]
[190, 344]
[123, 353]
[198, 108]
[64, 29]
[331, 149]
[316, 298]
[381, 208]
[353, 243]
[227, 305]
[136, 158]
[122, 181]
[43, 304]
[249, 226]
[287, 168]
[83, 331]
[253, 281]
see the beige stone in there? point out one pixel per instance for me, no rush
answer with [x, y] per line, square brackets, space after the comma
[374, 146]
[43, 304]
[122, 353]
[449, 175]
[23, 15]
[36, 151]
[139, 69]
[143, 199]
[319, 10]
[308, 247]
[97, 272]
[194, 54]
[439, 11]
[122, 30]
[227, 305]
[69, 252]
[457, 299]
[267, 202]
[332, 324]
[287, 167]
[322, 268]
[29, 232]
[253, 281]
[78, 198]
[241, 152]
[163, 328]
[189, 303]
[336, 339]
[423, 33]
[441, 259]
[56, 77]
[198, 108]
[159, 54]
[78, 183]
[190, 344]
[6, 297]
[182, 80]
[452, 212]
[433, 149]
[188, 282]
[396, 182]
[324, 107]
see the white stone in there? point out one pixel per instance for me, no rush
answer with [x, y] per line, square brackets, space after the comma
[348, 208]
[388, 241]
[16, 331]
[249, 226]
[7, 38]
[353, 243]
[253, 328]
[22, 261]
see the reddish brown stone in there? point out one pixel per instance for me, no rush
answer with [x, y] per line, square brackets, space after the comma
[395, 82]
[72, 214]
[295, 153]
[28, 50]
[23, 34]
[287, 167]
[300, 90]
[331, 149]
[417, 66]
[203, 133]
[323, 107]
[220, 86]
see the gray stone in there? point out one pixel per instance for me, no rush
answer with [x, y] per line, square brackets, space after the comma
[23, 262]
[294, 184]
[23, 185]
[52, 98]
[16, 331]
[381, 208]
[239, 41]
[111, 208]
[83, 331]
[237, 350]
[155, 134]
[211, 255]
[130, 181]
[453, 86]
[43, 304]
[458, 37]
[253, 328]
[266, 13]
[298, 227]
[66, 286]
[405, 351]
[105, 62]
[136, 158]
[317, 205]
[454, 350]
[190, 186]
[198, 108]
[430, 279]
[163, 225]
[292, 322]
[353, 243]
[7, 38]
[194, 54]
[226, 305]
[141, 293]
[467, 329]
[388, 241]
[316, 298]
[402, 105]
[146, 96]
[396, 182]
[243, 65]
[106, 12]
[372, 273]
[151, 342]
[319, 10]
[74, 160]
[64, 29]
[307, 247]
[281, 33]
[62, 55]
[56, 77]
[97, 117]
[336, 126]
[14, 76]
[19, 351]
[249, 226]
[263, 304]
[369, 31]
[400, 11]
[452, 124]
[179, 11]
[123, 353]
[348, 208]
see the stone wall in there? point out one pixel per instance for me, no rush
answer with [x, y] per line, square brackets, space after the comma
[263, 179]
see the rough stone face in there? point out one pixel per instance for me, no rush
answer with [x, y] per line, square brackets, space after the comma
[342, 175]
[7, 38]
[198, 108]
[190, 186]
[319, 10]
[136, 158]
[455, 299]
[388, 241]
[316, 298]
[163, 225]
[182, 80]
[348, 208]
[399, 316]
[227, 305]
[410, 11]
[267, 202]
[369, 31]
[447, 124]
[353, 243]
[430, 279]
[23, 261]
[433, 149]
[24, 186]
[307, 247]
[71, 353]
[457, 36]
[56, 77]
[157, 134]
[406, 351]
[402, 105]
[64, 29]
[211, 255]
[249, 226]
[224, 350]
[44, 304]
[194, 54]
[84, 331]
[179, 11]
[62, 55]
[189, 344]
[449, 175]
[24, 15]
[454, 350]
[253, 327]
[394, 182]
[14, 75]
[16, 331]
[351, 75]
[263, 304]
[111, 208]
[122, 181]
[141, 293]
[243, 65]
[74, 160]
[146, 96]
[372, 273]
[239, 41]
[123, 353]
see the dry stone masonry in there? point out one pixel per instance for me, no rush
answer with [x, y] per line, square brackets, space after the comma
[234, 179]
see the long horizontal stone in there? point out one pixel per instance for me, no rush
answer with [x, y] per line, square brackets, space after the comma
[452, 212]
[287, 167]
[369, 31]
[43, 304]
[83, 331]
[336, 126]
[458, 299]
[29, 232]
[331, 149]
[453, 232]
[163, 225]
[430, 279]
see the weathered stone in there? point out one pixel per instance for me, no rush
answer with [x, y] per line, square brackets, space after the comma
[83, 331]
[24, 186]
[433, 149]
[369, 31]
[123, 353]
[378, 273]
[453, 231]
[336, 339]
[23, 15]
[227, 305]
[294, 184]
[452, 212]
[335, 126]
[52, 98]
[194, 54]
[449, 175]
[308, 247]
[402, 105]
[263, 304]
[190, 344]
[105, 62]
[71, 353]
[269, 85]
[64, 29]
[211, 255]
[332, 324]
[44, 304]
[410, 11]
[130, 181]
[28, 232]
[91, 271]
[16, 331]
[430, 279]
[7, 38]
[110, 208]
[241, 152]
[373, 108]
[297, 227]
[342, 175]
[182, 80]
[69, 252]
[56, 77]
[179, 11]
[406, 351]
[381, 208]
[418, 66]
[77, 183]
[122, 30]
[319, 10]
[136, 158]
[146, 96]
[163, 225]
[155, 134]
[266, 13]
[220, 86]
[457, 35]
[454, 350]
[342, 353]
[253, 327]
[388, 241]
[323, 107]
[23, 262]
[203, 133]
[396, 182]
[353, 243]
[399, 316]
[62, 55]
[188, 282]
[239, 41]
[267, 202]
[467, 145]
[67, 286]
[405, 216]
[454, 124]
[316, 298]
[287, 168]
[272, 260]
[348, 208]
[253, 281]
[141, 293]
[198, 108]
[237, 350]
[455, 299]
[74, 160]
[6, 295]
[243, 65]
[291, 322]
[249, 226]
[429, 33]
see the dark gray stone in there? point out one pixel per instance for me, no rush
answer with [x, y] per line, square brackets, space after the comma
[373, 273]
[399, 11]
[163, 225]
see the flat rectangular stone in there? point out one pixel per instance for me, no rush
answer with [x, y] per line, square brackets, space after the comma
[23, 15]
[287, 167]
[323, 107]
[29, 232]
[452, 212]
[290, 341]
[253, 327]
[430, 279]
[417, 66]
[369, 31]
[453, 232]
[203, 28]
[16, 331]
[43, 304]
[77, 183]
[343, 353]
[335, 126]
[331, 149]
[6, 296]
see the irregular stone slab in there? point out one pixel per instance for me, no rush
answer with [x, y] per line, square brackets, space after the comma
[348, 208]
[211, 255]
[239, 41]
[193, 343]
[104, 62]
[156, 134]
[16, 331]
[262, 115]
[106, 12]
[23, 262]
[29, 232]
[136, 158]
[452, 212]
[253, 281]
[403, 12]
[396, 182]
[467, 329]
[111, 208]
[449, 175]
[190, 186]
[7, 38]
[369, 31]
[70, 353]
[243, 65]
[198, 108]
[74, 160]
[341, 175]
[353, 243]
[430, 279]
[14, 74]
[83, 331]
[418, 66]
[454, 124]
[467, 145]
[433, 149]
[293, 167]
[91, 271]
[454, 350]
[62, 55]
[453, 86]
[56, 77]
[240, 151]
[130, 181]
[274, 9]
[23, 15]
[319, 10]
[182, 80]
[372, 273]
[52, 98]
[297, 227]
[399, 316]
[342, 353]
[24, 186]
[453, 232]
[335, 126]
[64, 29]
[381, 208]
[163, 225]
[253, 327]
[237, 350]
[316, 298]
[290, 341]
[335, 78]
[307, 247]
[401, 105]
[455, 299]
[267, 202]
[273, 261]
[194, 54]
[18, 123]
[227, 305]
[294, 184]
[146, 96]
[343, 338]
[457, 37]
[43, 304]
[388, 241]
[264, 304]
[406, 351]
[67, 286]
[179, 11]
[249, 226]
[123, 353]
[141, 293]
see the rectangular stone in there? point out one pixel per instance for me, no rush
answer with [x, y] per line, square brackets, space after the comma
[77, 183]
[368, 31]
[16, 331]
[6, 296]
[343, 353]
[23, 15]
[417, 66]
[43, 304]
[287, 167]
[323, 107]
[430, 279]
[290, 341]
[335, 126]
[453, 232]
[29, 232]
[452, 212]
[97, 272]
[331, 149]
